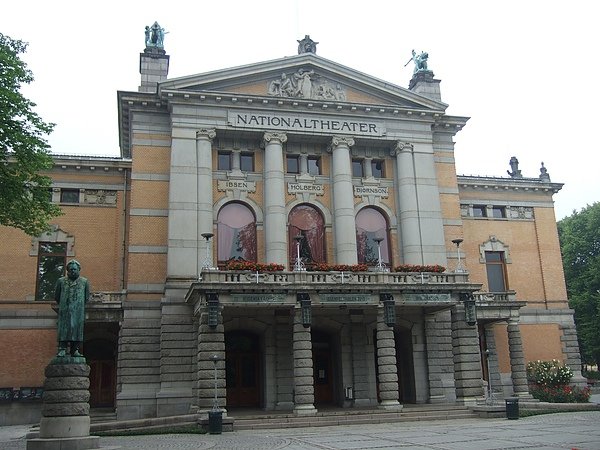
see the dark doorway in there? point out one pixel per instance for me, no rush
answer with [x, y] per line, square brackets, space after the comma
[322, 368]
[100, 355]
[242, 368]
[405, 366]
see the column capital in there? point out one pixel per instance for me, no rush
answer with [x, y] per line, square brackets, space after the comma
[401, 146]
[340, 141]
[206, 133]
[269, 136]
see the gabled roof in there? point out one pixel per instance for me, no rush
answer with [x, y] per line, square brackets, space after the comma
[329, 80]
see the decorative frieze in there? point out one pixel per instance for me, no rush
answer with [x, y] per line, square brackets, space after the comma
[100, 197]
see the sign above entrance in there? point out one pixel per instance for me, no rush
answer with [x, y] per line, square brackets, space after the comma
[299, 188]
[427, 298]
[345, 298]
[311, 124]
[257, 298]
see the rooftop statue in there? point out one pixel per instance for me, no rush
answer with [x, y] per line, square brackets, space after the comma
[420, 61]
[307, 45]
[514, 171]
[155, 36]
[544, 175]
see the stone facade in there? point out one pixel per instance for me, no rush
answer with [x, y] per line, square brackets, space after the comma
[170, 334]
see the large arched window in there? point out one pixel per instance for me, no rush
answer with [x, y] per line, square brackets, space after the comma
[306, 221]
[236, 233]
[370, 225]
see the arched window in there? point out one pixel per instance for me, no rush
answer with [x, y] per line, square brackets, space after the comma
[306, 221]
[236, 233]
[370, 225]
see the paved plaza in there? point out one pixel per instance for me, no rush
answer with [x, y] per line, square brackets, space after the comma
[553, 431]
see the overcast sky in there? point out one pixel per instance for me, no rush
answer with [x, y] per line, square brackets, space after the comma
[524, 71]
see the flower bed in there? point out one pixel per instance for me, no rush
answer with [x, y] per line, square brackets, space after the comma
[253, 266]
[419, 268]
[560, 394]
[549, 382]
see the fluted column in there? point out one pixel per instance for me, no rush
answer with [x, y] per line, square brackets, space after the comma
[517, 359]
[386, 364]
[274, 199]
[204, 139]
[304, 391]
[343, 201]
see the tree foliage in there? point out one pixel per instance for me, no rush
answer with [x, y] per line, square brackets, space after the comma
[24, 152]
[580, 246]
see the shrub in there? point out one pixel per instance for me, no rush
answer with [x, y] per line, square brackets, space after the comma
[419, 268]
[253, 266]
[560, 394]
[548, 373]
[591, 374]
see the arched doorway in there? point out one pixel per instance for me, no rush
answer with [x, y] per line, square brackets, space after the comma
[242, 367]
[324, 379]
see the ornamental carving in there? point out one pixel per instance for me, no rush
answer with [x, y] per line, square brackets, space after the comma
[338, 141]
[306, 84]
[100, 197]
[400, 146]
[206, 133]
[281, 137]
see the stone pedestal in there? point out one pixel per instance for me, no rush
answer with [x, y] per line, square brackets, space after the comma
[65, 422]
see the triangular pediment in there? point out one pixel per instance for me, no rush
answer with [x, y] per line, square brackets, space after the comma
[304, 77]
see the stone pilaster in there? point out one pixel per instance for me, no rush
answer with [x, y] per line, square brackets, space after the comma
[274, 200]
[570, 347]
[304, 391]
[517, 360]
[284, 373]
[468, 377]
[386, 365]
[204, 186]
[211, 342]
[440, 359]
[363, 373]
[343, 201]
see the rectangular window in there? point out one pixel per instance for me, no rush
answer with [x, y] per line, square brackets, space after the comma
[293, 163]
[314, 165]
[52, 260]
[377, 168]
[247, 162]
[357, 168]
[69, 195]
[224, 161]
[479, 211]
[498, 212]
[496, 271]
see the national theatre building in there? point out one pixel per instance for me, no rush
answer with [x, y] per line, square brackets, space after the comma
[297, 228]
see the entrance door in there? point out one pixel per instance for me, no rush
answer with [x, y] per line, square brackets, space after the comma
[404, 366]
[242, 367]
[322, 368]
[103, 372]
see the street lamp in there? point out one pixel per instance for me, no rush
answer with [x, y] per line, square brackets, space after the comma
[380, 267]
[470, 312]
[298, 265]
[459, 268]
[208, 261]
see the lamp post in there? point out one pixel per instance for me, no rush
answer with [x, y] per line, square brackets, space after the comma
[490, 391]
[298, 265]
[459, 268]
[380, 267]
[208, 261]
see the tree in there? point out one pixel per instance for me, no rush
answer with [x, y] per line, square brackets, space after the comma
[580, 246]
[25, 201]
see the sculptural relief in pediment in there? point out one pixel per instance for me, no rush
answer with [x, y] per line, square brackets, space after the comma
[306, 84]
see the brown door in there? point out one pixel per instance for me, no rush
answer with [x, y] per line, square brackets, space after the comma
[242, 369]
[102, 383]
[322, 368]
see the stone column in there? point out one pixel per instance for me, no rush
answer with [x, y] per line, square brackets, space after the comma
[386, 365]
[303, 164]
[468, 377]
[440, 362]
[304, 391]
[343, 201]
[204, 139]
[274, 199]
[570, 347]
[211, 341]
[368, 169]
[517, 360]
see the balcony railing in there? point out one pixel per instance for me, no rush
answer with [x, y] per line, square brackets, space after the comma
[483, 298]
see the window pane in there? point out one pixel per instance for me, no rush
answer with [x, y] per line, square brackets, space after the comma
[479, 211]
[498, 212]
[247, 162]
[357, 168]
[293, 164]
[236, 233]
[314, 166]
[370, 225]
[51, 266]
[377, 166]
[493, 257]
[307, 222]
[69, 195]
[495, 274]
[224, 161]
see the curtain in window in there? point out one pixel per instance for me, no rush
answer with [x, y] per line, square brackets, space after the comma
[236, 233]
[306, 221]
[371, 224]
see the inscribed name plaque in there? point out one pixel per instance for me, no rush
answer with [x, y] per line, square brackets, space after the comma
[377, 191]
[427, 298]
[345, 298]
[237, 185]
[300, 188]
[258, 298]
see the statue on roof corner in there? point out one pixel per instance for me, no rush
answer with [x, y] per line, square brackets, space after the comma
[155, 36]
[307, 45]
[420, 61]
[544, 175]
[514, 171]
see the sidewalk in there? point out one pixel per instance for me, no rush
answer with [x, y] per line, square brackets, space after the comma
[552, 431]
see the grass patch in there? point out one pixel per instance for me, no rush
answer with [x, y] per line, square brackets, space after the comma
[183, 429]
[539, 412]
